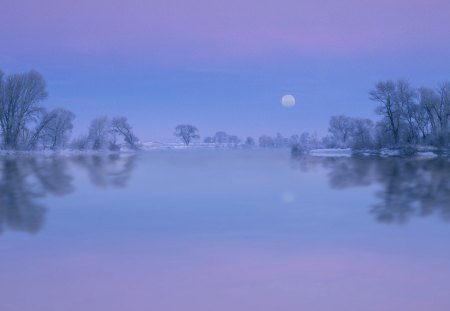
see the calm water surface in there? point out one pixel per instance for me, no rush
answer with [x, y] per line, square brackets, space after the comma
[224, 230]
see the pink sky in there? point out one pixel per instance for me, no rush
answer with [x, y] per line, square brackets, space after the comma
[176, 30]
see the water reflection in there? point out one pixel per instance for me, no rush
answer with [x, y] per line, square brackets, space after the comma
[114, 170]
[26, 179]
[402, 188]
[407, 188]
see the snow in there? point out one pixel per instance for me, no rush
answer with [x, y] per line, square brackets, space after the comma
[331, 152]
[389, 152]
[427, 154]
[175, 146]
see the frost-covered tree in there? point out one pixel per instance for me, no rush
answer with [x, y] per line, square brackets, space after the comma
[57, 131]
[250, 142]
[120, 126]
[406, 96]
[80, 143]
[233, 140]
[99, 131]
[20, 96]
[340, 128]
[220, 137]
[362, 133]
[208, 140]
[279, 141]
[186, 133]
[385, 94]
[293, 140]
[104, 134]
[265, 141]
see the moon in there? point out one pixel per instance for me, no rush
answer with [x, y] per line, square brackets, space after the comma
[288, 101]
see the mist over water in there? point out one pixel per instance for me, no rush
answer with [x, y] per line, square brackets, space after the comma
[223, 230]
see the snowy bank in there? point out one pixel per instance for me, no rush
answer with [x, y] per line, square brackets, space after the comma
[331, 152]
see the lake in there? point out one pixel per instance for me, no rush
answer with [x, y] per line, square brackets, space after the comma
[224, 230]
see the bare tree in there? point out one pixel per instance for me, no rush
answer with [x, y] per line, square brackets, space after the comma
[56, 134]
[385, 94]
[120, 125]
[406, 97]
[2, 95]
[35, 136]
[437, 107]
[80, 143]
[279, 141]
[266, 141]
[99, 131]
[340, 128]
[362, 133]
[443, 109]
[249, 142]
[233, 141]
[208, 140]
[220, 137]
[186, 133]
[20, 95]
[293, 140]
[429, 100]
[421, 120]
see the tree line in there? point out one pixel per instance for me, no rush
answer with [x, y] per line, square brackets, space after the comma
[409, 116]
[26, 125]
[188, 133]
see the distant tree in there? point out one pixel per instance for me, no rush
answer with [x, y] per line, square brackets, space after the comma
[421, 121]
[442, 113]
[279, 141]
[329, 142]
[340, 128]
[429, 101]
[208, 140]
[265, 141]
[220, 137]
[20, 95]
[350, 132]
[56, 133]
[80, 143]
[120, 126]
[293, 140]
[305, 139]
[186, 133]
[233, 140]
[31, 138]
[304, 144]
[443, 109]
[314, 141]
[362, 133]
[99, 132]
[406, 97]
[249, 142]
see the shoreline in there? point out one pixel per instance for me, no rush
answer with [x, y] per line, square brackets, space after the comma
[407, 152]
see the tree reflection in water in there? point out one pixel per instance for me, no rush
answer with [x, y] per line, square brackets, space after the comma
[408, 187]
[26, 179]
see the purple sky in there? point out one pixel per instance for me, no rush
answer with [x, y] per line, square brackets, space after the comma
[223, 65]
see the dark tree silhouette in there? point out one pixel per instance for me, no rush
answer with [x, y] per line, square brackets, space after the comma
[186, 133]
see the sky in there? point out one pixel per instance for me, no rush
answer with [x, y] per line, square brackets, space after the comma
[223, 65]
